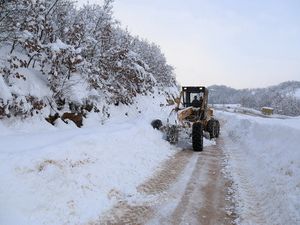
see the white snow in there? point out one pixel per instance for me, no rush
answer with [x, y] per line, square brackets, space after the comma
[5, 93]
[66, 175]
[264, 161]
[35, 84]
[297, 93]
[268, 108]
[76, 89]
[58, 45]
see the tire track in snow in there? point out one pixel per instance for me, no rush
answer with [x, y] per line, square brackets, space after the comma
[189, 188]
[167, 174]
[205, 200]
[158, 184]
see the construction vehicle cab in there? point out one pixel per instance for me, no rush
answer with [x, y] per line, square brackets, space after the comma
[189, 93]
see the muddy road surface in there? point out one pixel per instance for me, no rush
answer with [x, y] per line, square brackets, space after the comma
[189, 188]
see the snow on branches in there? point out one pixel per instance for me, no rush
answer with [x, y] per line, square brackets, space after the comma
[81, 55]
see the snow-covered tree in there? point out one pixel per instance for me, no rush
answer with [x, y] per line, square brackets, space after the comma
[60, 42]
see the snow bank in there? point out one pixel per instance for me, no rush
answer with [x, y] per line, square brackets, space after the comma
[69, 176]
[65, 175]
[264, 161]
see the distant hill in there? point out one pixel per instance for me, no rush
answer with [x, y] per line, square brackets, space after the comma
[284, 97]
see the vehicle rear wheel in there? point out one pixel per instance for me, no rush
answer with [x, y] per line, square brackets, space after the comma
[218, 128]
[197, 137]
[212, 128]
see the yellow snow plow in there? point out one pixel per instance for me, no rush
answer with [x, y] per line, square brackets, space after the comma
[192, 112]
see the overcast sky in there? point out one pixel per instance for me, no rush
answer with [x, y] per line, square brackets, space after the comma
[239, 43]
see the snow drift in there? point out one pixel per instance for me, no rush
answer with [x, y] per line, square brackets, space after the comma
[264, 162]
[65, 175]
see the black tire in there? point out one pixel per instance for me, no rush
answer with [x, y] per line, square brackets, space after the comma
[212, 128]
[197, 137]
[218, 128]
[156, 124]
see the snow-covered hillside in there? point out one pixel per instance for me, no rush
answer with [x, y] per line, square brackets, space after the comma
[264, 162]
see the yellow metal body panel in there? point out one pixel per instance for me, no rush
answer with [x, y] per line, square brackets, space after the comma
[184, 113]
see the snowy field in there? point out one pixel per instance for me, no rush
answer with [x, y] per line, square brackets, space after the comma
[264, 162]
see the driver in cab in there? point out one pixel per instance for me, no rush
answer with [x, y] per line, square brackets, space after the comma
[197, 103]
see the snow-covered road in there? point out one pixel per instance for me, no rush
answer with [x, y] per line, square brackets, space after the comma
[188, 188]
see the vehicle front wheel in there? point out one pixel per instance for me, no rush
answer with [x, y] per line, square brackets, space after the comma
[197, 136]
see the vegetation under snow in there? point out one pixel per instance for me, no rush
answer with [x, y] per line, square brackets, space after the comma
[57, 58]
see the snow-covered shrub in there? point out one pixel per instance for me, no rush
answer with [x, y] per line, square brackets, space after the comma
[24, 106]
[84, 59]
